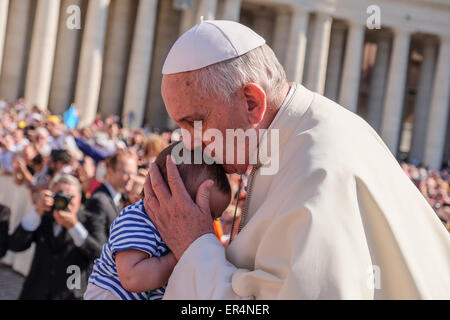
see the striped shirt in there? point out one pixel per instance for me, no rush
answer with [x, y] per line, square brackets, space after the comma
[132, 229]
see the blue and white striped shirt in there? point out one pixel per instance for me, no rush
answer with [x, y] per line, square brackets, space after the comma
[132, 229]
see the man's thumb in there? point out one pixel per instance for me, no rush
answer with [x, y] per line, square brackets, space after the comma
[203, 194]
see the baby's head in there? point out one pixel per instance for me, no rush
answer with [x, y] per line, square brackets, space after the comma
[193, 175]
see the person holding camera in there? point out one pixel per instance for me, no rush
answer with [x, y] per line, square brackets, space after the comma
[68, 239]
[5, 213]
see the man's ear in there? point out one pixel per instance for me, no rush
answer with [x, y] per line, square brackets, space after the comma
[256, 102]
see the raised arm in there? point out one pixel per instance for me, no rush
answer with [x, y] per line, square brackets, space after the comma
[91, 151]
[24, 235]
[138, 272]
[297, 245]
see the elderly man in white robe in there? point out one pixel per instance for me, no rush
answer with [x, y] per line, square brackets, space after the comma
[338, 219]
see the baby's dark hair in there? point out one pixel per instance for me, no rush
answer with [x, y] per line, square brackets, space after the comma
[191, 172]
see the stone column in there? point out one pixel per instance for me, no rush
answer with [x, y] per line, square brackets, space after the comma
[437, 124]
[187, 19]
[200, 8]
[42, 53]
[231, 10]
[295, 58]
[4, 4]
[117, 48]
[423, 99]
[140, 64]
[317, 66]
[67, 53]
[165, 36]
[348, 96]
[207, 9]
[446, 157]
[378, 82]
[16, 49]
[334, 68]
[281, 34]
[91, 60]
[263, 24]
[392, 115]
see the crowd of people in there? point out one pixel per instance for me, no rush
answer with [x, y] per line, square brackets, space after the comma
[434, 186]
[36, 147]
[97, 171]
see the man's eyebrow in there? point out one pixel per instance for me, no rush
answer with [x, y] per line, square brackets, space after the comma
[190, 117]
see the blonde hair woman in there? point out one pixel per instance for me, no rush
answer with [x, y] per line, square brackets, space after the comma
[152, 147]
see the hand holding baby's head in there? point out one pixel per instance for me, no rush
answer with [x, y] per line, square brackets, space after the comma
[193, 175]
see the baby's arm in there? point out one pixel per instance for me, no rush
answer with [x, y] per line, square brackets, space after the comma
[138, 272]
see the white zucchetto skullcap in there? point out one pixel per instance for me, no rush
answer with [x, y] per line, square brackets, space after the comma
[210, 42]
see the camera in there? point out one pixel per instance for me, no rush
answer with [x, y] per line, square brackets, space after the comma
[62, 200]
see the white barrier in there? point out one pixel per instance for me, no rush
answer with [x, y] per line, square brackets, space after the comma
[18, 199]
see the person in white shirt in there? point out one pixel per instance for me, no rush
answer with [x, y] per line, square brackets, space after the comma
[43, 141]
[329, 212]
[7, 151]
[19, 139]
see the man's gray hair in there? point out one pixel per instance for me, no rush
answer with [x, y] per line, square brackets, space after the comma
[222, 80]
[69, 179]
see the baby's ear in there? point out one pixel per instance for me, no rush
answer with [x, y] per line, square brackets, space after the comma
[204, 194]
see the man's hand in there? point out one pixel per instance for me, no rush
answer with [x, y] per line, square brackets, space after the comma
[45, 202]
[178, 219]
[65, 218]
[75, 133]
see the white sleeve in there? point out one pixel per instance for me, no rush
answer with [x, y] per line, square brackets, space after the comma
[79, 234]
[203, 272]
[31, 221]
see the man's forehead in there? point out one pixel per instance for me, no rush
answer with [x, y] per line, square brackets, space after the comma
[181, 97]
[174, 81]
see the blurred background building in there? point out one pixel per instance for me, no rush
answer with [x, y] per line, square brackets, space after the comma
[106, 57]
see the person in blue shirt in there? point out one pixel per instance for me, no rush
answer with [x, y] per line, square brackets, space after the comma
[136, 264]
[71, 117]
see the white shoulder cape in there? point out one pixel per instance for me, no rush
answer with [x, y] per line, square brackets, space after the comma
[339, 220]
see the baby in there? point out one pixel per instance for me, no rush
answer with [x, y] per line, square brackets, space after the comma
[136, 264]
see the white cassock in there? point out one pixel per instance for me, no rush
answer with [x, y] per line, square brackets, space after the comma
[339, 220]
